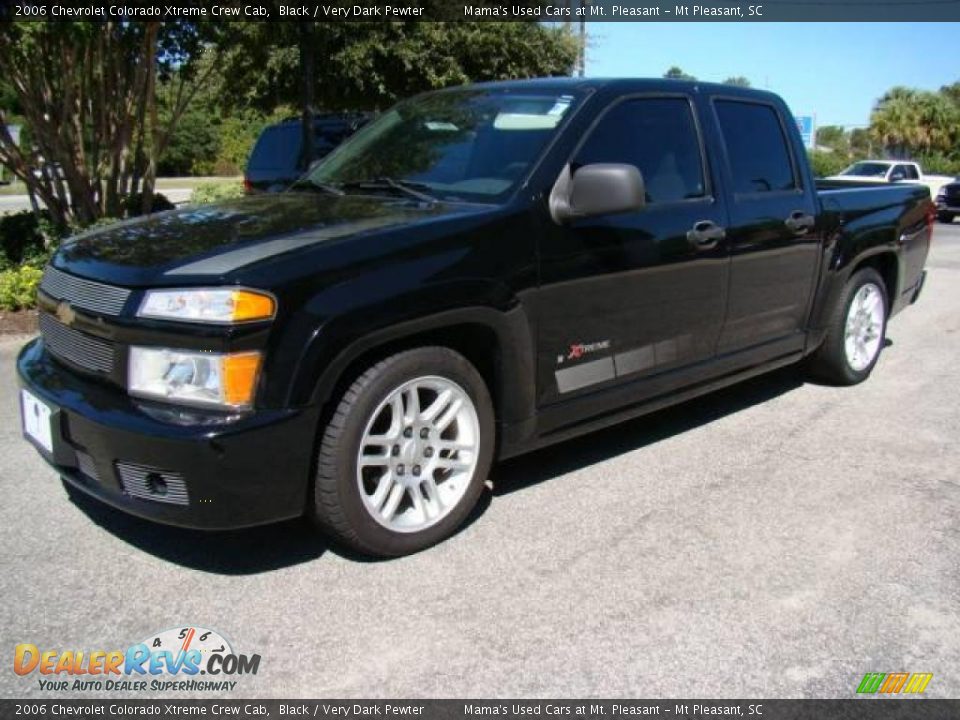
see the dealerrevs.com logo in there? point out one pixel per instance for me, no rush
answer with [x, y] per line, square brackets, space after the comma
[166, 661]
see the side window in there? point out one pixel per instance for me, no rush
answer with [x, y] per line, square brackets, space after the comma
[758, 151]
[659, 137]
[898, 173]
[912, 173]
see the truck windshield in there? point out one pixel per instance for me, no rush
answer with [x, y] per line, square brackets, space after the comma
[867, 169]
[471, 145]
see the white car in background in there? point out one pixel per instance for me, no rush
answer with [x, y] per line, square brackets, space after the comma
[892, 171]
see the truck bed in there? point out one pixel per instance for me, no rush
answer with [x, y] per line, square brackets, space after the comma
[895, 214]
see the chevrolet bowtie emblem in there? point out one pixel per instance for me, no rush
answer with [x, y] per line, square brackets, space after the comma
[65, 313]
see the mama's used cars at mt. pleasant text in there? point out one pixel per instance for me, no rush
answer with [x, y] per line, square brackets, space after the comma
[479, 272]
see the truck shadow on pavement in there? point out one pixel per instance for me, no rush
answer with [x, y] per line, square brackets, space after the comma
[528, 470]
[230, 552]
[272, 547]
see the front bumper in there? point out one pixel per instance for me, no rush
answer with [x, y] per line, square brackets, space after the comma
[249, 471]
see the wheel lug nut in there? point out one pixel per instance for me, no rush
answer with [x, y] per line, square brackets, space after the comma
[400, 469]
[395, 450]
[416, 470]
[428, 452]
[408, 432]
[424, 433]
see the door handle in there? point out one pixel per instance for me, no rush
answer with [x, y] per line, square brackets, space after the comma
[800, 222]
[705, 235]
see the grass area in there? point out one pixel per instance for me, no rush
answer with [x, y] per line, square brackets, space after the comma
[190, 182]
[18, 188]
[14, 188]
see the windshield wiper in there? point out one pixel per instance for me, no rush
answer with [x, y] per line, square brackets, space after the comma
[407, 187]
[311, 184]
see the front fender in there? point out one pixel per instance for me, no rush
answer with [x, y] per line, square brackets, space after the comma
[336, 328]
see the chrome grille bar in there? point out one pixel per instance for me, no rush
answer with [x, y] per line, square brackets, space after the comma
[84, 294]
[83, 350]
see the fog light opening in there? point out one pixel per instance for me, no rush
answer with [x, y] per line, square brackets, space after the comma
[156, 484]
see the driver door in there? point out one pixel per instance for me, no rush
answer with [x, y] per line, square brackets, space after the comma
[627, 299]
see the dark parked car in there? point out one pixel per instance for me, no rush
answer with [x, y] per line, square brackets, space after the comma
[277, 158]
[948, 201]
[480, 272]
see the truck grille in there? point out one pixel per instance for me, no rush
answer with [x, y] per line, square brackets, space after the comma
[84, 294]
[148, 483]
[87, 352]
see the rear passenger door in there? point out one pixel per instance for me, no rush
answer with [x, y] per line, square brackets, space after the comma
[773, 238]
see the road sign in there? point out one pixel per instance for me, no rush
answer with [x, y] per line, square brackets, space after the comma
[807, 126]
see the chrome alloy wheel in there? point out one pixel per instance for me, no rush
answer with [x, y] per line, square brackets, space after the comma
[418, 454]
[864, 327]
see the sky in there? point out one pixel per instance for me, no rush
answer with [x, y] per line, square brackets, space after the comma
[835, 71]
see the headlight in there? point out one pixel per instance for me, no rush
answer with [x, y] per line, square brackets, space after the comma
[193, 378]
[208, 305]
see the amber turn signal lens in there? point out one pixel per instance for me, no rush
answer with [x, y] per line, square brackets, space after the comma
[249, 305]
[240, 371]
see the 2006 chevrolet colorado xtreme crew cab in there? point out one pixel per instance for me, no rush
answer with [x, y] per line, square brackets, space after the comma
[479, 272]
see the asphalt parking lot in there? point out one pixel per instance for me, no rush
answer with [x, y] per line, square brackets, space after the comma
[779, 539]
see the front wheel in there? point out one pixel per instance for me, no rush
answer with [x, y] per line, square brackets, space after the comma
[945, 217]
[404, 457]
[856, 332]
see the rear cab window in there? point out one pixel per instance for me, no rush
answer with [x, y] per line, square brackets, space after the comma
[758, 153]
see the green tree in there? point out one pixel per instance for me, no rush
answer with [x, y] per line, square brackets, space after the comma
[737, 80]
[369, 66]
[677, 73]
[833, 137]
[88, 93]
[861, 144]
[952, 93]
[825, 163]
[893, 121]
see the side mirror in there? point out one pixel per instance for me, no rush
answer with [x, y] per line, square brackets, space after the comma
[598, 189]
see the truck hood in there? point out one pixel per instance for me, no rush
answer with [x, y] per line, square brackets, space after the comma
[215, 240]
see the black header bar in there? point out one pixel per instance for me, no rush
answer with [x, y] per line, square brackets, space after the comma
[490, 10]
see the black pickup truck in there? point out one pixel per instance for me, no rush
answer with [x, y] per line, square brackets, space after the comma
[480, 272]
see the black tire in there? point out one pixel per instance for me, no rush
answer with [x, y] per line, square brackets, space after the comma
[338, 508]
[945, 217]
[829, 362]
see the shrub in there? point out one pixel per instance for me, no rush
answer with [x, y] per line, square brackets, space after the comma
[133, 203]
[18, 287]
[216, 190]
[824, 163]
[20, 235]
[939, 164]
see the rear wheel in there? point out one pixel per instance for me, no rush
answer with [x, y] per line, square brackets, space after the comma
[403, 460]
[856, 333]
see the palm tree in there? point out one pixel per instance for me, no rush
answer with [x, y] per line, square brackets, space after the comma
[894, 122]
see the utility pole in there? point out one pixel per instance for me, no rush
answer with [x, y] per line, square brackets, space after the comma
[582, 54]
[307, 64]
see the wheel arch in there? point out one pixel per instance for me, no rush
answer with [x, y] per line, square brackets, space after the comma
[499, 344]
[887, 264]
